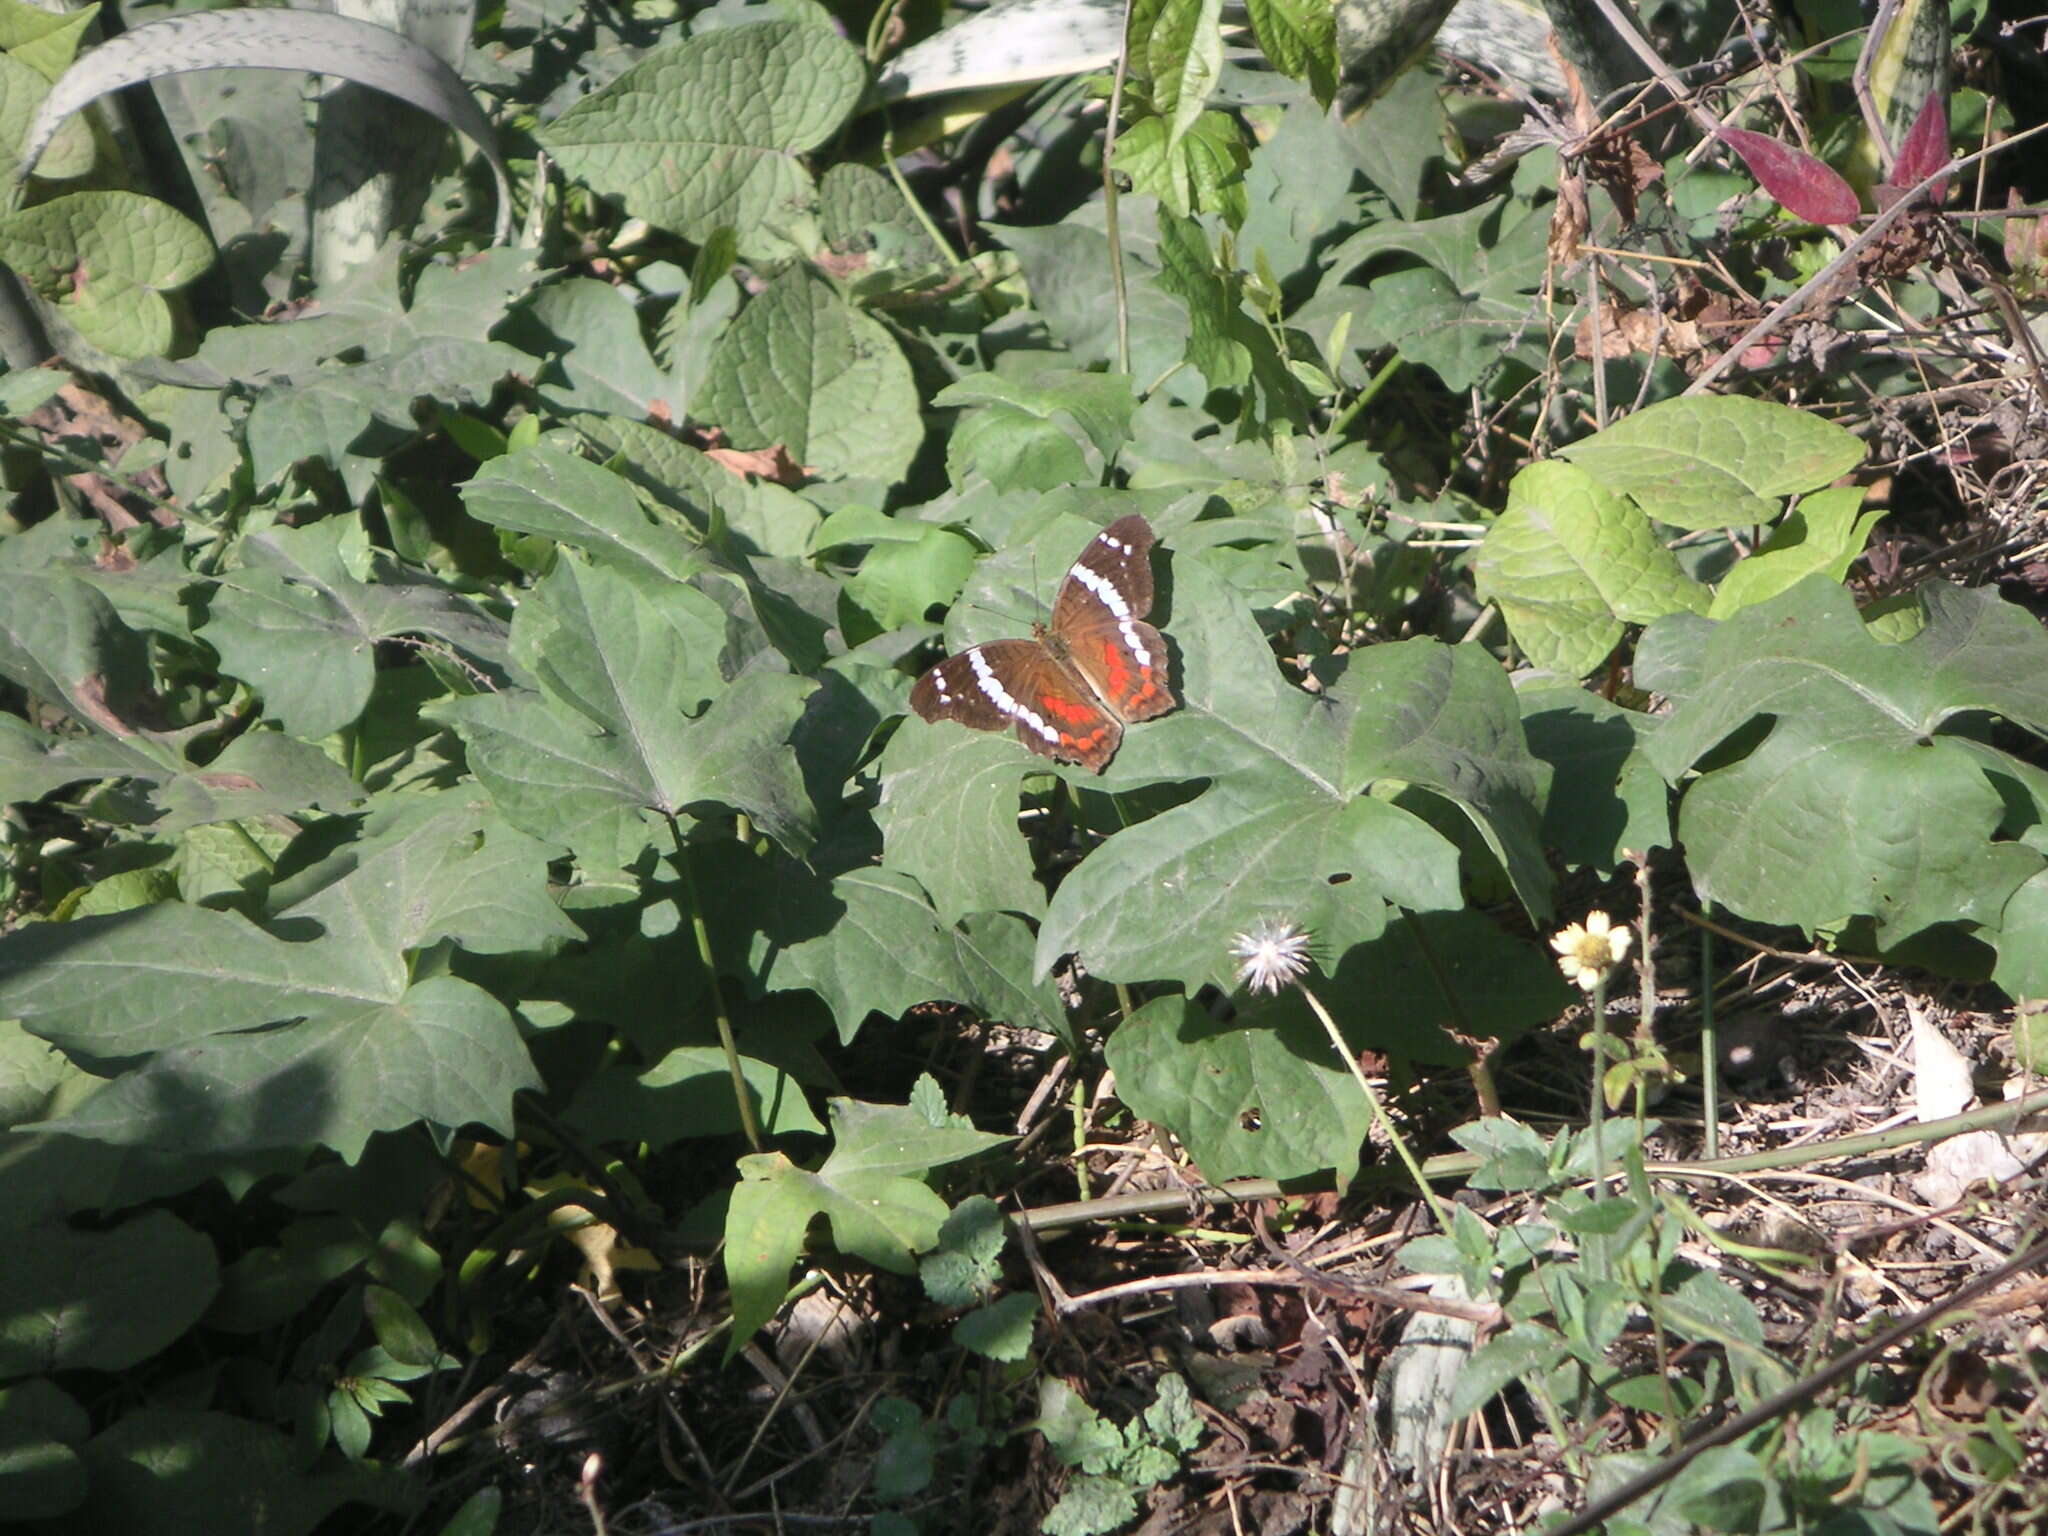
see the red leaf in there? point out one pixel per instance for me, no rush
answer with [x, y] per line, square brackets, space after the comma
[1801, 184]
[1925, 149]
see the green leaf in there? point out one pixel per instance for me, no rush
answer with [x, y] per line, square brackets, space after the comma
[1824, 534]
[1073, 1431]
[1202, 172]
[1262, 1095]
[296, 623]
[966, 1264]
[707, 133]
[273, 1283]
[1022, 439]
[102, 1301]
[1710, 1309]
[106, 259]
[159, 1472]
[1713, 461]
[619, 725]
[687, 1093]
[1606, 798]
[1571, 563]
[1893, 805]
[871, 1189]
[1436, 973]
[764, 1234]
[898, 582]
[1512, 1157]
[401, 1332]
[338, 385]
[1473, 304]
[870, 943]
[1001, 1330]
[949, 816]
[1299, 38]
[863, 213]
[62, 641]
[600, 354]
[41, 1430]
[22, 90]
[541, 490]
[446, 1053]
[1091, 1506]
[1181, 53]
[905, 1461]
[1170, 1419]
[1221, 339]
[1521, 1351]
[370, 1049]
[1445, 719]
[1723, 1489]
[803, 369]
[1067, 267]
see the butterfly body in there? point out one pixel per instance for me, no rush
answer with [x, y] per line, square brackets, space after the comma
[1070, 689]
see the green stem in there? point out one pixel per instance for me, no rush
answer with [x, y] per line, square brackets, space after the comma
[1365, 396]
[1710, 1046]
[1598, 1116]
[742, 1095]
[1379, 1111]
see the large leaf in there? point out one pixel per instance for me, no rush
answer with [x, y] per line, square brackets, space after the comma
[106, 259]
[708, 132]
[299, 625]
[1607, 801]
[63, 642]
[1471, 304]
[1823, 535]
[338, 385]
[102, 1301]
[803, 369]
[1181, 52]
[1261, 1095]
[161, 1472]
[1849, 781]
[1716, 461]
[542, 490]
[1571, 563]
[355, 1045]
[620, 724]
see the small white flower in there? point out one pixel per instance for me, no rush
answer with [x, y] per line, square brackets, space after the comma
[1587, 952]
[1272, 955]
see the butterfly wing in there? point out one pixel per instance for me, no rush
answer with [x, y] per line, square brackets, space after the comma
[1019, 683]
[1098, 621]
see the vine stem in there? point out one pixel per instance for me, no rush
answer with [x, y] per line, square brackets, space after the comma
[1458, 1165]
[742, 1096]
[1379, 1110]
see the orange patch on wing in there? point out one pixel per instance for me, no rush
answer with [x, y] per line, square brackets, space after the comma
[1113, 668]
[1073, 711]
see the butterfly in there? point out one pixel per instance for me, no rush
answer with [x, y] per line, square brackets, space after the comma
[1076, 683]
